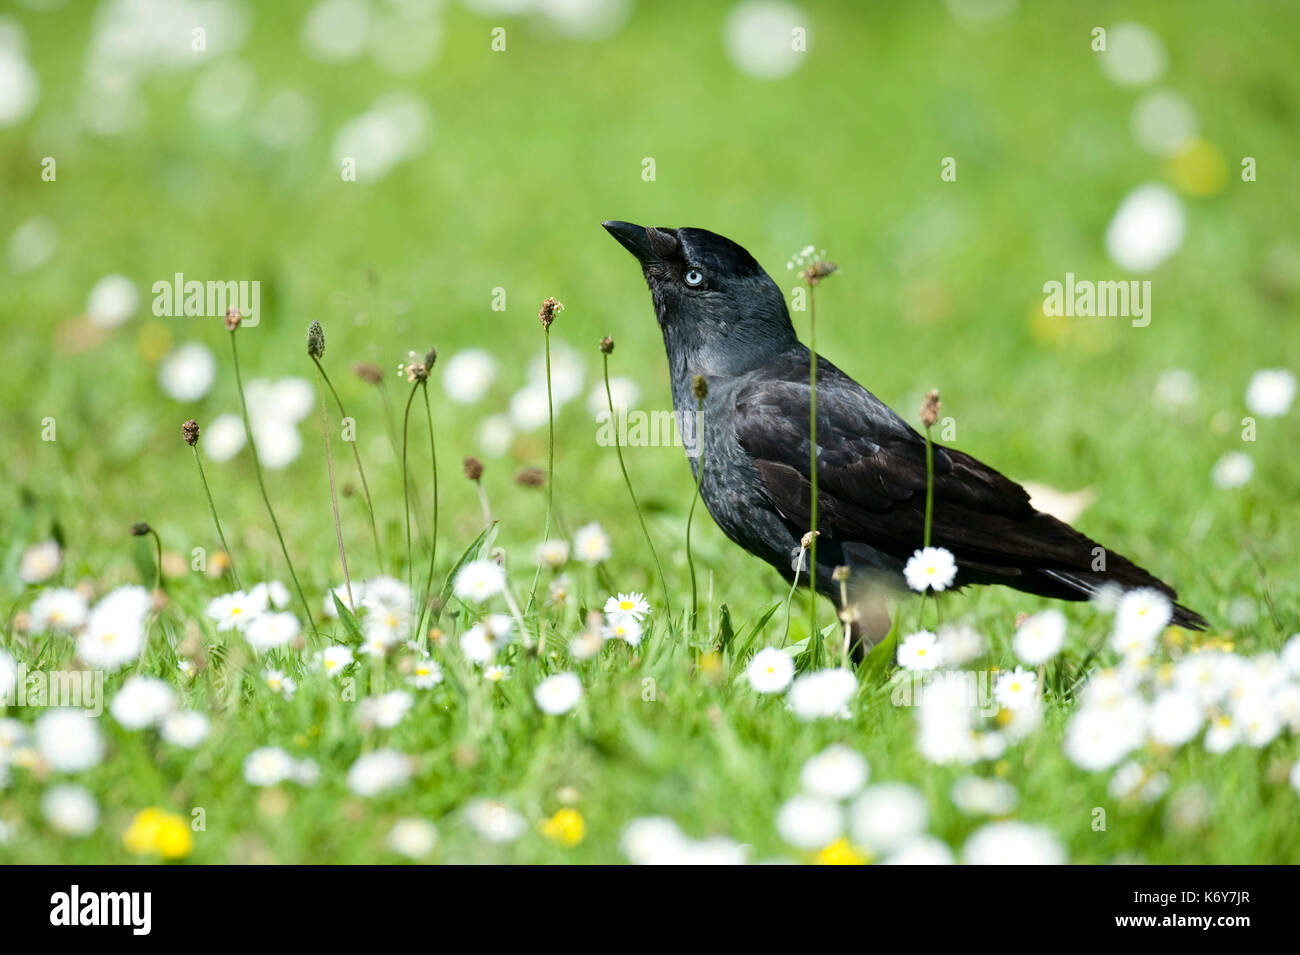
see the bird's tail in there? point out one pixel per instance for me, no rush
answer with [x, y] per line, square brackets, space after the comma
[1121, 572]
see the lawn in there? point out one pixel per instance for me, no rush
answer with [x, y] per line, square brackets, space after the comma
[388, 170]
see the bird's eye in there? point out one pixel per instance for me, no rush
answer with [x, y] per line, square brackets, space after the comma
[694, 277]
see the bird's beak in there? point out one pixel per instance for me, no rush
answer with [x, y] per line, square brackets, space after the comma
[631, 237]
[649, 245]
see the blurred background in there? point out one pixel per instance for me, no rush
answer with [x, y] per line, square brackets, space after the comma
[144, 138]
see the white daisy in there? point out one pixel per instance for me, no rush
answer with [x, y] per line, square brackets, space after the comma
[8, 679]
[115, 632]
[770, 670]
[586, 644]
[467, 375]
[975, 796]
[273, 593]
[334, 660]
[495, 435]
[271, 630]
[268, 766]
[651, 839]
[553, 554]
[142, 701]
[1176, 388]
[186, 728]
[1140, 618]
[559, 693]
[887, 816]
[920, 651]
[413, 838]
[13, 737]
[223, 437]
[387, 618]
[306, 772]
[478, 580]
[529, 408]
[822, 693]
[341, 591]
[1271, 392]
[923, 850]
[1135, 781]
[234, 611]
[112, 300]
[837, 772]
[810, 822]
[378, 771]
[930, 567]
[632, 605]
[58, 610]
[623, 627]
[622, 391]
[1257, 720]
[1016, 688]
[70, 810]
[68, 740]
[40, 562]
[385, 711]
[278, 682]
[959, 644]
[1098, 738]
[188, 372]
[591, 544]
[1232, 470]
[496, 673]
[481, 642]
[494, 820]
[1175, 718]
[425, 674]
[1013, 843]
[1040, 637]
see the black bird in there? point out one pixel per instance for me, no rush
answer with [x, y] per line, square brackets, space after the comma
[724, 318]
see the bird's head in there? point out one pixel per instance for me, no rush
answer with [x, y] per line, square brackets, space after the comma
[719, 311]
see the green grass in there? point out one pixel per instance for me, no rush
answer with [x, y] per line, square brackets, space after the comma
[530, 150]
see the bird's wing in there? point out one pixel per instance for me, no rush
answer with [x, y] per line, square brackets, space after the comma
[871, 475]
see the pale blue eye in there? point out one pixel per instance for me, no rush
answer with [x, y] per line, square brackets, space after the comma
[694, 277]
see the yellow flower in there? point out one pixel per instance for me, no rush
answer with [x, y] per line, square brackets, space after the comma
[1199, 169]
[840, 852]
[173, 840]
[567, 827]
[155, 832]
[711, 666]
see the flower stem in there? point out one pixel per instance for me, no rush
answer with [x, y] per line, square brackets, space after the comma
[433, 550]
[406, 494]
[848, 625]
[157, 574]
[929, 485]
[550, 460]
[356, 456]
[618, 448]
[334, 497]
[216, 520]
[789, 600]
[261, 483]
[690, 517]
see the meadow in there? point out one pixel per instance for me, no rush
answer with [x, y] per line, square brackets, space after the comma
[413, 180]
